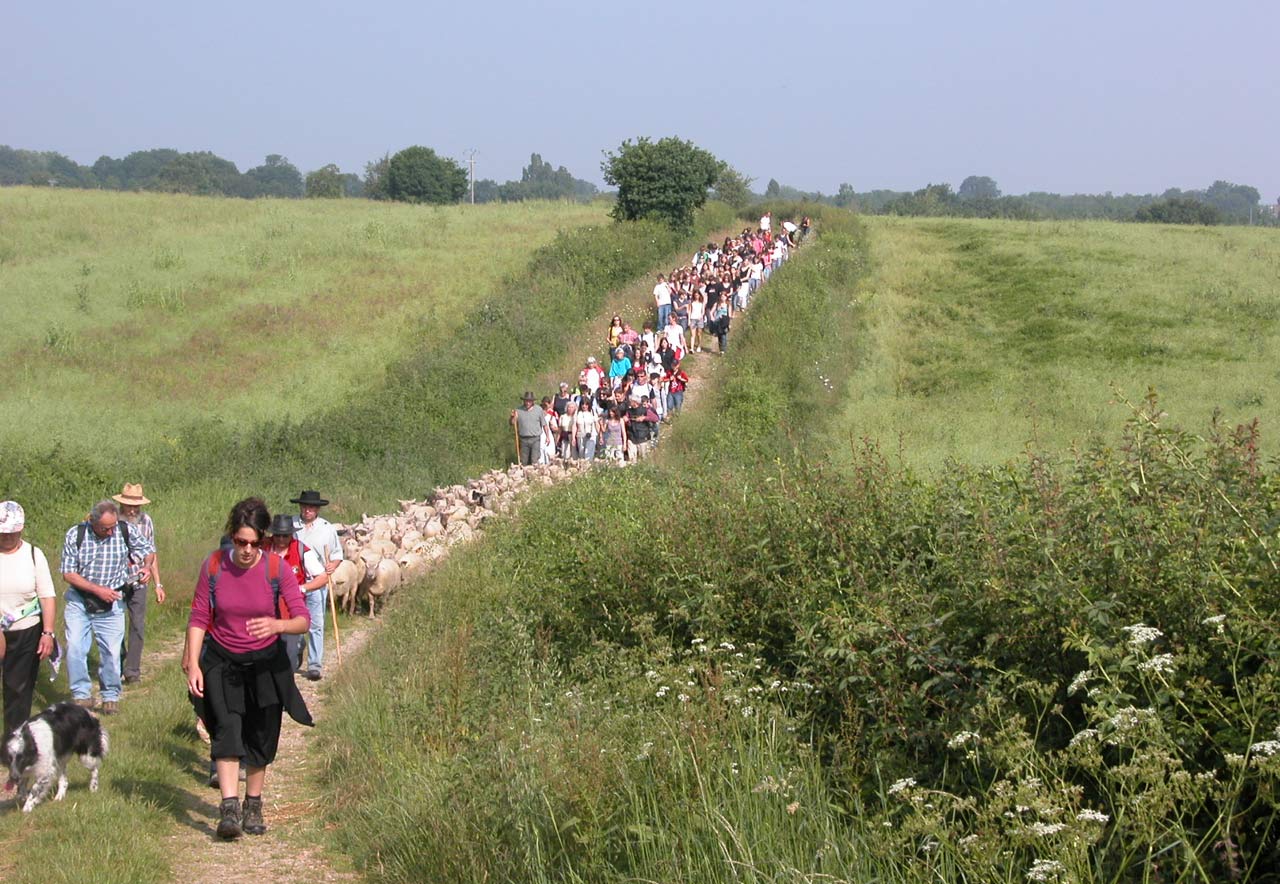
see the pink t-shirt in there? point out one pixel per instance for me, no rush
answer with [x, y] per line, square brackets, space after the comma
[240, 596]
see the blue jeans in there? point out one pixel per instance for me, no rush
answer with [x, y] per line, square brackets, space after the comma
[675, 402]
[664, 311]
[586, 448]
[316, 601]
[107, 629]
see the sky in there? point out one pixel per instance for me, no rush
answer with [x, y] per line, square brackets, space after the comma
[1080, 97]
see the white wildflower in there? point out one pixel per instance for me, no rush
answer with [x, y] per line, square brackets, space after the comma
[1078, 683]
[1158, 663]
[1140, 634]
[961, 738]
[1129, 718]
[967, 841]
[1044, 870]
[1092, 816]
[698, 641]
[683, 698]
[644, 751]
[775, 685]
[662, 692]
[1216, 621]
[1086, 734]
[1266, 747]
[728, 646]
[1233, 759]
[1046, 829]
[902, 785]
[748, 711]
[651, 674]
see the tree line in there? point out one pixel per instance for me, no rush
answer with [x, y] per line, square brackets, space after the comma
[415, 174]
[979, 196]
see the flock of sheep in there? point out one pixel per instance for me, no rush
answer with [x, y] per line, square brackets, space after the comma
[383, 552]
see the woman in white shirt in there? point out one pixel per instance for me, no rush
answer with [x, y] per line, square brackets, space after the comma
[27, 612]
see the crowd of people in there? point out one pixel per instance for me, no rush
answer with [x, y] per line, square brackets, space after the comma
[616, 410]
[258, 611]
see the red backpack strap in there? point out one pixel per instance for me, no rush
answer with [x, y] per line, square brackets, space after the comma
[211, 573]
[274, 564]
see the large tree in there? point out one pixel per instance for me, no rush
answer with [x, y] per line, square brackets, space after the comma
[417, 175]
[275, 177]
[666, 179]
[978, 187]
[325, 183]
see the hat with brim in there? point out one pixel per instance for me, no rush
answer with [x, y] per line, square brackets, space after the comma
[527, 397]
[309, 498]
[12, 517]
[131, 495]
[281, 525]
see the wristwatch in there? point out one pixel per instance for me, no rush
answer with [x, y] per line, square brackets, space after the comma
[45, 632]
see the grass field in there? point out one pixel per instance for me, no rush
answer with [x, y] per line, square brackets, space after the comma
[242, 310]
[985, 335]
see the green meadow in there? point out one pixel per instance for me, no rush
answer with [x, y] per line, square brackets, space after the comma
[128, 314]
[985, 336]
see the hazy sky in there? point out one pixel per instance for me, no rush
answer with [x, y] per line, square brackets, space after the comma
[1123, 95]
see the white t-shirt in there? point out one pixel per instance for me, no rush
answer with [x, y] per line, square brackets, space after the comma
[585, 423]
[675, 336]
[23, 580]
[662, 294]
[765, 222]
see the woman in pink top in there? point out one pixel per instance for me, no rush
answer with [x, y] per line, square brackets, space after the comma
[237, 670]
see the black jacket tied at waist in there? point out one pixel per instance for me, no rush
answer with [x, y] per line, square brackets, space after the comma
[261, 678]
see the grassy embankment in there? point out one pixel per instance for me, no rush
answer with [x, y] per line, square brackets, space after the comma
[438, 414]
[986, 335]
[723, 668]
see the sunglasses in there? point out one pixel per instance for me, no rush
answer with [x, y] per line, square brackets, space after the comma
[243, 543]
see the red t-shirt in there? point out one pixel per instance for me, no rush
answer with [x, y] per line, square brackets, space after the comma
[242, 595]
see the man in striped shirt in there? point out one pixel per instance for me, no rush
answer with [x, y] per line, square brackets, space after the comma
[95, 562]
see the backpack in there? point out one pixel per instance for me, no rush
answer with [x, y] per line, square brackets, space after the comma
[273, 576]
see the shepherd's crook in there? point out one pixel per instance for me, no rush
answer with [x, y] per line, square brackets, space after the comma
[337, 642]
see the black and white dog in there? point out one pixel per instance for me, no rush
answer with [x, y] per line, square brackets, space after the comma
[37, 752]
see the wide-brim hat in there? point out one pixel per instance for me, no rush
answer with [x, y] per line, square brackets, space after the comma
[527, 397]
[282, 524]
[309, 498]
[131, 495]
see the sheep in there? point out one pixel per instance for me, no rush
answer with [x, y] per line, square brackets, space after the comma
[386, 577]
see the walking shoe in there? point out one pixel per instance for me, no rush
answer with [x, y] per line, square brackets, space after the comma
[229, 823]
[253, 823]
[132, 679]
[213, 775]
[86, 702]
[313, 675]
[109, 707]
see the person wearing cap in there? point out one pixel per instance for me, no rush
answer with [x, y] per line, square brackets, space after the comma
[319, 534]
[27, 613]
[131, 501]
[528, 424]
[97, 555]
[308, 569]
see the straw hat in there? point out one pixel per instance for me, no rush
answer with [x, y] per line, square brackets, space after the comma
[131, 495]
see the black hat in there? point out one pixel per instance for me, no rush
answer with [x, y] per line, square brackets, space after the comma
[309, 498]
[282, 524]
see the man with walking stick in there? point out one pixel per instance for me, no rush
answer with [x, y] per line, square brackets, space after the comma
[527, 422]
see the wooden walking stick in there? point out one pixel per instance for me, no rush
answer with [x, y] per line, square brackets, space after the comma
[337, 641]
[515, 433]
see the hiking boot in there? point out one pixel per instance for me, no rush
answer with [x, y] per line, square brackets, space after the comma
[132, 679]
[84, 702]
[229, 823]
[313, 675]
[213, 775]
[109, 707]
[253, 823]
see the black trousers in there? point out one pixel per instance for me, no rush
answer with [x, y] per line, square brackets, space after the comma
[21, 665]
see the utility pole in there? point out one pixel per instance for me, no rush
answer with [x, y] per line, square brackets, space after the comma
[471, 158]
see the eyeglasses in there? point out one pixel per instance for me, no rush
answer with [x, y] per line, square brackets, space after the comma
[243, 543]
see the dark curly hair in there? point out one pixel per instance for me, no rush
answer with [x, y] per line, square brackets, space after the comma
[249, 513]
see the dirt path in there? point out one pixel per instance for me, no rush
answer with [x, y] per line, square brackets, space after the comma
[293, 847]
